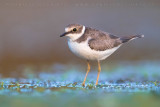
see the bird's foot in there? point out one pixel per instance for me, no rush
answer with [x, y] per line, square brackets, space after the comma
[83, 84]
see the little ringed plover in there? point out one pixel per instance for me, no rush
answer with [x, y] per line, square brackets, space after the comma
[92, 44]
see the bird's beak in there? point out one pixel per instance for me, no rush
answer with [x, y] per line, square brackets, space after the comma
[64, 34]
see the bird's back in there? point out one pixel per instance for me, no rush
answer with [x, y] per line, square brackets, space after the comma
[100, 40]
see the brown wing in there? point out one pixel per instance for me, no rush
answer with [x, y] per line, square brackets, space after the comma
[100, 40]
[128, 38]
[104, 41]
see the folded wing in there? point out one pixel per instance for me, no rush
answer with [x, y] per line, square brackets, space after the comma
[104, 42]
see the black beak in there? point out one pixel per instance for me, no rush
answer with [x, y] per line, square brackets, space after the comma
[64, 34]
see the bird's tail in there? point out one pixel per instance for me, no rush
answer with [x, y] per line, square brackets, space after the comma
[129, 38]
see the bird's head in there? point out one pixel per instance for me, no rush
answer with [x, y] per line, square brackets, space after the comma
[74, 31]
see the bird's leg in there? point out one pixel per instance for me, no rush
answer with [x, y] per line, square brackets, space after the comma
[99, 70]
[88, 69]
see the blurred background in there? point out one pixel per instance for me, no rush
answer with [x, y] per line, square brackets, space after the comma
[30, 29]
[37, 68]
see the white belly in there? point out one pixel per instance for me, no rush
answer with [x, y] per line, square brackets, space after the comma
[84, 51]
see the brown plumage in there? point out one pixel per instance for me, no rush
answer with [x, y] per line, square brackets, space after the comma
[92, 44]
[100, 41]
[128, 38]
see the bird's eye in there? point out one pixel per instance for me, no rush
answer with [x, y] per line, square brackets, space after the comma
[74, 30]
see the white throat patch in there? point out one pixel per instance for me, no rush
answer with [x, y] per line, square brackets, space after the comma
[73, 37]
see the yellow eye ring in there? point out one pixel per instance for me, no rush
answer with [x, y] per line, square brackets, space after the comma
[74, 29]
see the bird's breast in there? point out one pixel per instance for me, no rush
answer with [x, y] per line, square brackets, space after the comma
[79, 49]
[84, 51]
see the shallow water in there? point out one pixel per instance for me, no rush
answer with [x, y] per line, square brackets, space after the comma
[121, 85]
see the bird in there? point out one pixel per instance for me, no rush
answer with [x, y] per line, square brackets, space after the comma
[92, 44]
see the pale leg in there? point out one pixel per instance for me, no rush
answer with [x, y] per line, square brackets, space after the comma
[88, 69]
[99, 70]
